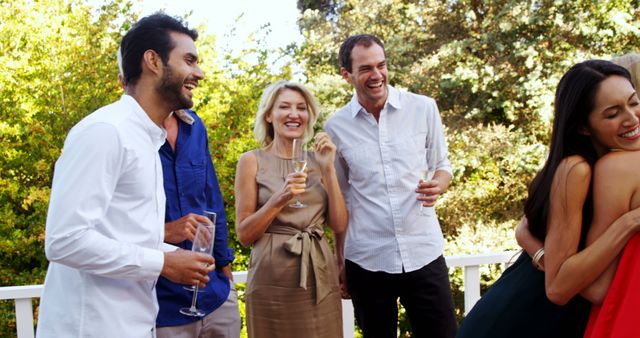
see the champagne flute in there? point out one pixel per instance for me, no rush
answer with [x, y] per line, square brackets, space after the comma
[428, 169]
[299, 159]
[212, 217]
[203, 243]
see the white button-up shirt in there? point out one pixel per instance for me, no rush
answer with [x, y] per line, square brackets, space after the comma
[105, 227]
[378, 166]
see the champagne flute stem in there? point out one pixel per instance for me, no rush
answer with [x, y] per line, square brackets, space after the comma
[194, 298]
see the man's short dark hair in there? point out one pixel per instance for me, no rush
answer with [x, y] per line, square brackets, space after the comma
[351, 42]
[151, 32]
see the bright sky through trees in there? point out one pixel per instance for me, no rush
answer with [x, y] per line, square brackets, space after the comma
[219, 17]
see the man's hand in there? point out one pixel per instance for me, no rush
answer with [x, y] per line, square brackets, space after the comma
[183, 228]
[428, 192]
[187, 267]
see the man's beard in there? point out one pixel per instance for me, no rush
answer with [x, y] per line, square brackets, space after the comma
[170, 90]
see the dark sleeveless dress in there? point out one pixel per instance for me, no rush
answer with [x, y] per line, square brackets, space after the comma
[516, 306]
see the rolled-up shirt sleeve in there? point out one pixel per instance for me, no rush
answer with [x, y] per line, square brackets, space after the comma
[84, 183]
[436, 138]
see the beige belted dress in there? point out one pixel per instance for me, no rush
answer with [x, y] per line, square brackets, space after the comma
[292, 284]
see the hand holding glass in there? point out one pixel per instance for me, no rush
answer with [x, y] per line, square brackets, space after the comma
[210, 215]
[428, 169]
[202, 243]
[299, 159]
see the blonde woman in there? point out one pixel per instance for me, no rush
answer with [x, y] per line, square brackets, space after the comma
[631, 62]
[292, 286]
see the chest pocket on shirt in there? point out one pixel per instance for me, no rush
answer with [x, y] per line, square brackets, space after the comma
[412, 150]
[198, 172]
[402, 157]
[363, 161]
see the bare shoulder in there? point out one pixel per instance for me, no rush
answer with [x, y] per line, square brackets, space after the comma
[574, 169]
[619, 161]
[618, 167]
[248, 163]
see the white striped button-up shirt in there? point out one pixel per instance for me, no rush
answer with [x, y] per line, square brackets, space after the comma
[378, 166]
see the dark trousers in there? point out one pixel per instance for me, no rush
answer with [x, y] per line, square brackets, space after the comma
[424, 293]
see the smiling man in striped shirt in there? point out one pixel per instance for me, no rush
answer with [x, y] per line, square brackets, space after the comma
[393, 245]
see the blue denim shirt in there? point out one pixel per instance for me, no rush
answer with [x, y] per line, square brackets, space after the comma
[191, 186]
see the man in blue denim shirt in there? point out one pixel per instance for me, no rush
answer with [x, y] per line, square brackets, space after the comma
[191, 187]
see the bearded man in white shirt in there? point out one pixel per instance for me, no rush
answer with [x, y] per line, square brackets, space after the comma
[105, 225]
[393, 245]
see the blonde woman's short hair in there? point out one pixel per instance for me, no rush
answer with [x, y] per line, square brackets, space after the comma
[631, 62]
[263, 130]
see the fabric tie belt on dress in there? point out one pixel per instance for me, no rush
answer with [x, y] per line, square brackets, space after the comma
[306, 243]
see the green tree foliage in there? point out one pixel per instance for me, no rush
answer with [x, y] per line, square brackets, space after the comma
[492, 61]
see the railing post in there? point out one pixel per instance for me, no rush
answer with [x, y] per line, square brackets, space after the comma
[348, 319]
[471, 287]
[24, 318]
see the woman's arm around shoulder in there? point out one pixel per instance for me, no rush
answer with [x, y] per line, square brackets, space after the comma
[569, 191]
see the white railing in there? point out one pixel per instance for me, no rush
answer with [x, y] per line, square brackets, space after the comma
[471, 271]
[23, 295]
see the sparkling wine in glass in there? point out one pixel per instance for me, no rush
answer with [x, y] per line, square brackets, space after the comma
[299, 159]
[210, 215]
[428, 169]
[202, 243]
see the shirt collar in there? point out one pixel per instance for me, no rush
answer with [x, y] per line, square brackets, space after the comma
[393, 99]
[184, 116]
[158, 135]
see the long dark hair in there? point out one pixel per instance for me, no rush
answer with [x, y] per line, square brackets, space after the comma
[574, 101]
